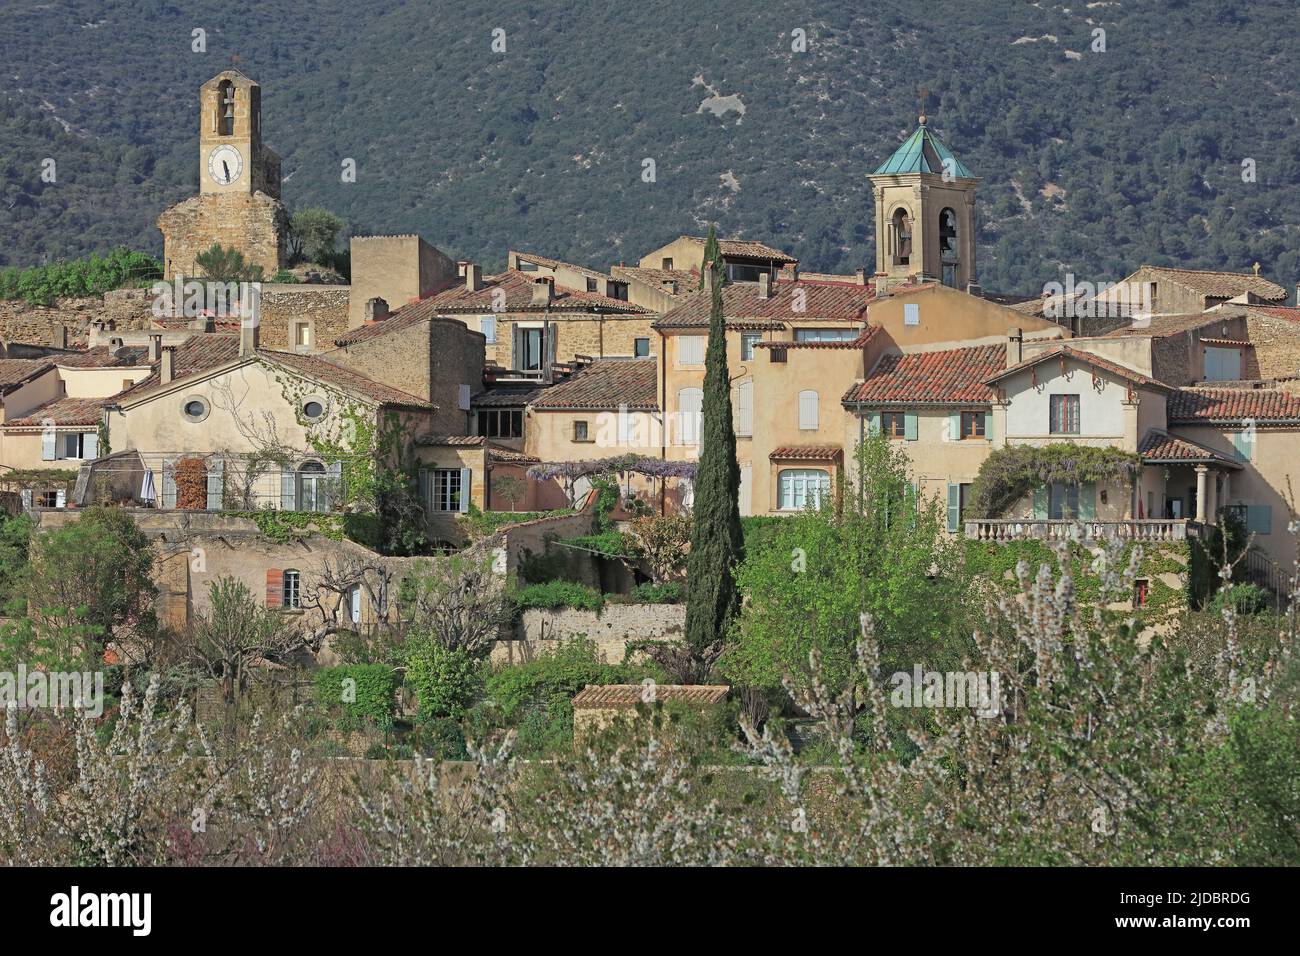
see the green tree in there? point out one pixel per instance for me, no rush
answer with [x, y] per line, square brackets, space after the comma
[226, 265]
[313, 233]
[98, 571]
[881, 551]
[713, 259]
[717, 544]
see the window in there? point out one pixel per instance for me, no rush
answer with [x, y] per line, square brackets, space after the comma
[800, 487]
[501, 422]
[47, 499]
[302, 335]
[1141, 588]
[313, 409]
[580, 431]
[1063, 501]
[528, 350]
[825, 335]
[1065, 414]
[292, 597]
[972, 425]
[776, 354]
[616, 290]
[667, 263]
[739, 272]
[195, 409]
[446, 489]
[893, 424]
[312, 495]
[225, 108]
[745, 409]
[807, 410]
[911, 313]
[690, 349]
[641, 348]
[488, 326]
[902, 238]
[690, 405]
[747, 342]
[592, 285]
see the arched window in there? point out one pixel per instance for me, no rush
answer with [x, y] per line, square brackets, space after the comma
[800, 487]
[902, 238]
[948, 254]
[312, 493]
[808, 410]
[225, 108]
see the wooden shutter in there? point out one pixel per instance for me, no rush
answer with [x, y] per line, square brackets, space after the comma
[988, 426]
[216, 483]
[746, 497]
[462, 398]
[488, 326]
[1259, 519]
[745, 408]
[465, 476]
[49, 439]
[1041, 501]
[90, 445]
[425, 482]
[808, 410]
[954, 507]
[909, 426]
[873, 423]
[274, 587]
[168, 484]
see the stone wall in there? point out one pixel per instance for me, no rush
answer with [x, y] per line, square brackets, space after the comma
[323, 307]
[256, 225]
[1277, 345]
[125, 309]
[611, 630]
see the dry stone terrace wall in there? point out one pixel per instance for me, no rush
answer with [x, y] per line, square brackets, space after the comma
[126, 309]
[540, 630]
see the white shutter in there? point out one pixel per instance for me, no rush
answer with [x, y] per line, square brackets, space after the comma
[745, 409]
[61, 498]
[488, 326]
[462, 398]
[216, 483]
[746, 502]
[808, 410]
[48, 439]
[690, 349]
[911, 313]
[356, 604]
[90, 445]
[690, 402]
[624, 427]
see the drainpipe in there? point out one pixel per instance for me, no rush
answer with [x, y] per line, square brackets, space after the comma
[663, 419]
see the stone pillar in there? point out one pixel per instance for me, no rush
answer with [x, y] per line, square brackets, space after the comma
[1201, 472]
[1212, 497]
[1226, 497]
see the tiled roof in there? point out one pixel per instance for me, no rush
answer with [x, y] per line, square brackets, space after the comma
[604, 386]
[504, 396]
[628, 696]
[688, 280]
[102, 356]
[1277, 311]
[200, 351]
[949, 377]
[1088, 358]
[17, 372]
[403, 318]
[923, 152]
[1210, 406]
[1159, 326]
[451, 441]
[63, 411]
[345, 379]
[820, 301]
[806, 453]
[1158, 446]
[549, 263]
[745, 248]
[518, 289]
[870, 332]
[1221, 285]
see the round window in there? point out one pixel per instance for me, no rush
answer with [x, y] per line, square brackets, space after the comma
[195, 409]
[313, 409]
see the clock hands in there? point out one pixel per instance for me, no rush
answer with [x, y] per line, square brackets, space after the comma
[226, 167]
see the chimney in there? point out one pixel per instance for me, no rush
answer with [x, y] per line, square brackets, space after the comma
[764, 285]
[248, 336]
[708, 277]
[155, 348]
[543, 290]
[790, 272]
[669, 286]
[861, 275]
[165, 373]
[461, 266]
[376, 310]
[1015, 351]
[473, 277]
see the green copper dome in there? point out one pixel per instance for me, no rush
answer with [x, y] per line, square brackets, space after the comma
[923, 152]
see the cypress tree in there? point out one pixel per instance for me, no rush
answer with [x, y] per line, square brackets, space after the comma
[717, 544]
[712, 253]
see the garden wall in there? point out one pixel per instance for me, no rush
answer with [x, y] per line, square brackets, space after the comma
[617, 624]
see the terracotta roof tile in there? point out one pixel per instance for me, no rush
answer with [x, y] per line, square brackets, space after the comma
[687, 280]
[745, 248]
[549, 263]
[1160, 326]
[604, 386]
[1277, 311]
[628, 696]
[1087, 358]
[866, 336]
[1232, 406]
[63, 411]
[345, 379]
[948, 377]
[819, 301]
[1159, 446]
[200, 351]
[506, 396]
[807, 453]
[17, 372]
[1225, 285]
[518, 289]
[102, 356]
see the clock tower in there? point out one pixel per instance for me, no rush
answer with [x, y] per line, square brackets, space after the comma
[238, 205]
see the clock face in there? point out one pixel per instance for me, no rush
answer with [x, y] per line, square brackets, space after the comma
[224, 165]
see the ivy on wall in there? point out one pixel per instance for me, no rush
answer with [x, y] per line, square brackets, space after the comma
[1012, 472]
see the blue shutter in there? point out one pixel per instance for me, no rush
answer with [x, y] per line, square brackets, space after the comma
[988, 426]
[1040, 502]
[954, 507]
[465, 476]
[90, 445]
[333, 485]
[873, 423]
[1088, 501]
[1259, 519]
[424, 489]
[909, 426]
[216, 483]
[954, 426]
[288, 491]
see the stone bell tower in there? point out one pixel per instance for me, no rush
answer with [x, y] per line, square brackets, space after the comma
[238, 205]
[925, 215]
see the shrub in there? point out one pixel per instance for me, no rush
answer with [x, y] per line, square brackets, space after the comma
[1242, 598]
[673, 592]
[363, 693]
[554, 595]
[446, 681]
